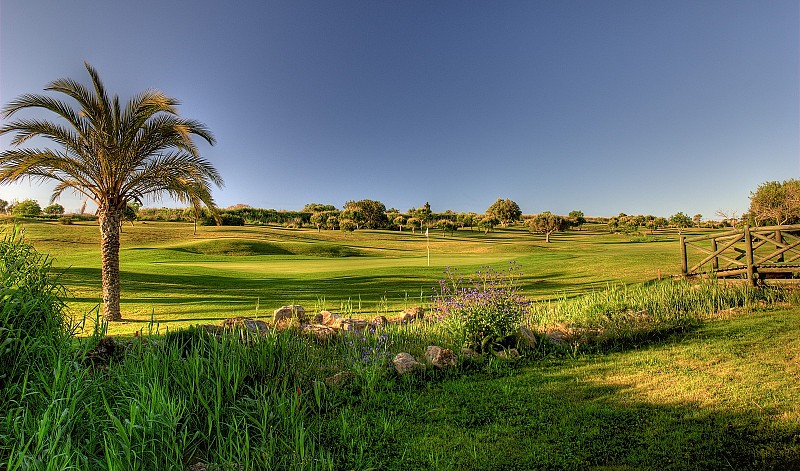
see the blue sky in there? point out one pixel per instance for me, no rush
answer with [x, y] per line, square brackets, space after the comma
[602, 106]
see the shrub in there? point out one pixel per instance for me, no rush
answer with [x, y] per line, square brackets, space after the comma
[484, 313]
[65, 220]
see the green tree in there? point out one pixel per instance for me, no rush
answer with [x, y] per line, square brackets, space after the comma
[488, 223]
[319, 220]
[54, 209]
[318, 208]
[414, 224]
[399, 221]
[446, 225]
[27, 208]
[113, 155]
[347, 225]
[776, 202]
[367, 213]
[680, 221]
[546, 223]
[506, 211]
[576, 219]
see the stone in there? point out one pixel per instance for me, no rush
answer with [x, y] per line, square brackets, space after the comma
[319, 331]
[440, 358]
[106, 350]
[380, 320]
[526, 338]
[405, 363]
[415, 313]
[317, 319]
[253, 325]
[353, 325]
[289, 312]
[330, 319]
[340, 379]
[508, 354]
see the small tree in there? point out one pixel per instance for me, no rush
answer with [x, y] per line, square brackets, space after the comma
[546, 223]
[506, 211]
[680, 221]
[27, 208]
[697, 219]
[318, 219]
[368, 213]
[488, 223]
[576, 219]
[399, 221]
[347, 225]
[446, 225]
[776, 202]
[54, 210]
[414, 224]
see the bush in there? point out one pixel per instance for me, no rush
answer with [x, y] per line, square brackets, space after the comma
[486, 312]
[32, 324]
[65, 220]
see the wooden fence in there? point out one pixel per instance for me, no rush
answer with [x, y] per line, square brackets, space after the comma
[754, 253]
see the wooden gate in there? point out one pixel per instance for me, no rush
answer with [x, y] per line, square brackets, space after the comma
[754, 253]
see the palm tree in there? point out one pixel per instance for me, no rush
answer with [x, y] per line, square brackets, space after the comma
[111, 156]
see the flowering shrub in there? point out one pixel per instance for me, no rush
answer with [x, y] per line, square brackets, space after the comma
[485, 312]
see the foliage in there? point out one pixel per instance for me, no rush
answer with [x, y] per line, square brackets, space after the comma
[27, 208]
[546, 223]
[224, 219]
[318, 208]
[446, 225]
[367, 213]
[112, 155]
[576, 218]
[776, 202]
[680, 221]
[3, 205]
[488, 223]
[66, 220]
[347, 225]
[54, 210]
[506, 211]
[484, 312]
[414, 223]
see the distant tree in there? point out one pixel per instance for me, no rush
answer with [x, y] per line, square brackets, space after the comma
[729, 217]
[27, 208]
[414, 224]
[488, 223]
[130, 212]
[655, 223]
[613, 224]
[680, 221]
[506, 211]
[319, 219]
[367, 213]
[333, 221]
[697, 219]
[399, 221]
[423, 214]
[446, 225]
[546, 223]
[776, 202]
[3, 206]
[347, 225]
[576, 219]
[54, 210]
[318, 208]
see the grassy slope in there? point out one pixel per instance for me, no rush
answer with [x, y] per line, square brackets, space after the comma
[723, 397]
[180, 278]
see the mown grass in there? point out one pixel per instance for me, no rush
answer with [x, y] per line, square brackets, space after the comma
[178, 278]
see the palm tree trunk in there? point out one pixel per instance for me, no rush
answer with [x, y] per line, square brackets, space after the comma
[109, 252]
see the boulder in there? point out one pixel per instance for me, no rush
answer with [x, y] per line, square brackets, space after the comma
[289, 312]
[319, 331]
[246, 323]
[380, 320]
[415, 313]
[440, 358]
[353, 325]
[508, 354]
[340, 379]
[526, 338]
[330, 319]
[405, 363]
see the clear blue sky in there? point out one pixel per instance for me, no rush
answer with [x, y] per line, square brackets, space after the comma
[602, 106]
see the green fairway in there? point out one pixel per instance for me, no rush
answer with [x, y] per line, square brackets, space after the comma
[179, 278]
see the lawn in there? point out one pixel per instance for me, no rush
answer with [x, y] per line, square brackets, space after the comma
[178, 278]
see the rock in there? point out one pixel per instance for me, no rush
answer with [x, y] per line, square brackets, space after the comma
[340, 379]
[320, 331]
[330, 319]
[440, 358]
[353, 325]
[405, 363]
[106, 350]
[253, 325]
[289, 312]
[526, 338]
[317, 319]
[415, 313]
[508, 354]
[380, 320]
[468, 352]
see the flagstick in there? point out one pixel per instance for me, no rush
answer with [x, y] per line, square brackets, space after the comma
[428, 243]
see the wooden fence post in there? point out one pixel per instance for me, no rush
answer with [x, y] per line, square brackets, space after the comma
[684, 260]
[715, 260]
[778, 240]
[748, 247]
